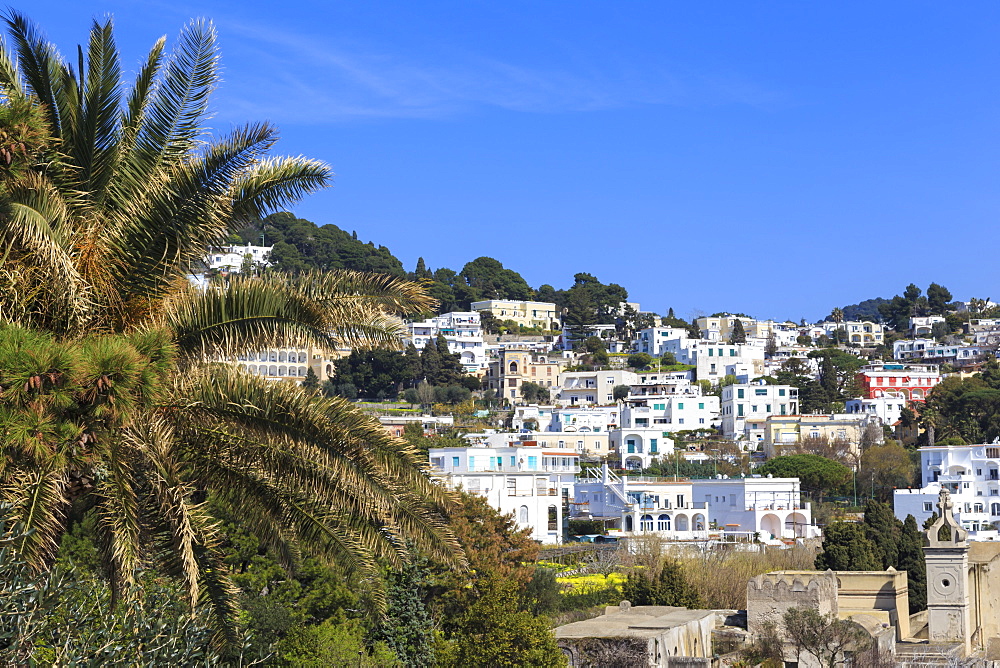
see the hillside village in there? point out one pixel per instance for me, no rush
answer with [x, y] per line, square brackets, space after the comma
[620, 424]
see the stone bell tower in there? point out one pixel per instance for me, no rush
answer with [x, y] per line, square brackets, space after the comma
[948, 619]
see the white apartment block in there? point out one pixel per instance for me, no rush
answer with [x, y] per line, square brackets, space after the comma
[461, 330]
[637, 447]
[588, 388]
[585, 419]
[888, 409]
[524, 313]
[653, 340]
[670, 412]
[971, 473]
[586, 443]
[529, 482]
[770, 509]
[231, 258]
[929, 350]
[713, 361]
[923, 326]
[746, 407]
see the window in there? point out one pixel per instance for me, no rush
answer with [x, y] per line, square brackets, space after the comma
[781, 392]
[928, 507]
[680, 406]
[455, 462]
[710, 351]
[631, 445]
[739, 394]
[993, 453]
[701, 420]
[701, 406]
[652, 446]
[680, 421]
[646, 523]
[532, 462]
[680, 500]
[739, 410]
[753, 409]
[760, 392]
[522, 515]
[553, 518]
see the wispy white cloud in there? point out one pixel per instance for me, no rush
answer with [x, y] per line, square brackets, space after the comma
[298, 77]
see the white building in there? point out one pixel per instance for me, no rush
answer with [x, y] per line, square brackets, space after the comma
[637, 447]
[767, 508]
[586, 443]
[670, 412]
[887, 408]
[529, 482]
[713, 361]
[971, 473]
[653, 340]
[859, 332]
[588, 388]
[924, 326]
[288, 363]
[746, 407]
[929, 350]
[593, 419]
[231, 258]
[461, 330]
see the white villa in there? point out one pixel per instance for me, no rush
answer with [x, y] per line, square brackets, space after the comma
[770, 509]
[461, 330]
[971, 473]
[531, 482]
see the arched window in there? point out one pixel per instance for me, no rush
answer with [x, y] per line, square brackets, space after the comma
[272, 370]
[522, 515]
[663, 523]
[282, 370]
[303, 371]
[282, 356]
[646, 523]
[302, 358]
[252, 368]
[513, 367]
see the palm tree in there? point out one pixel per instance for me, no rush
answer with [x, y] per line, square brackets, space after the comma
[114, 397]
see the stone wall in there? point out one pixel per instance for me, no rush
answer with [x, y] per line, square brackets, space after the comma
[770, 595]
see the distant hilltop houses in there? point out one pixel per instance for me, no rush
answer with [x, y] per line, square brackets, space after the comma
[574, 404]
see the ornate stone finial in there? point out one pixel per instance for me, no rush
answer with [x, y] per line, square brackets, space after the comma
[946, 518]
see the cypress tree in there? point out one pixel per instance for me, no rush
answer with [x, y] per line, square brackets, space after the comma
[739, 334]
[430, 363]
[911, 560]
[884, 530]
[847, 548]
[422, 271]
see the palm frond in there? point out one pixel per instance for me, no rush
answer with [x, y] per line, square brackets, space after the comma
[328, 310]
[38, 502]
[274, 183]
[119, 524]
[178, 101]
[96, 148]
[39, 65]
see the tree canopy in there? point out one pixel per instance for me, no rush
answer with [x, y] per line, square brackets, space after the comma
[817, 475]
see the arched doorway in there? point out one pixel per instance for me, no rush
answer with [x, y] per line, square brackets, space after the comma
[796, 524]
[771, 524]
[681, 521]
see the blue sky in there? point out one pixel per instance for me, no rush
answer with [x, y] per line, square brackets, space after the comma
[775, 158]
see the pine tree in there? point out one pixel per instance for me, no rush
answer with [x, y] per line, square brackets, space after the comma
[911, 560]
[884, 530]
